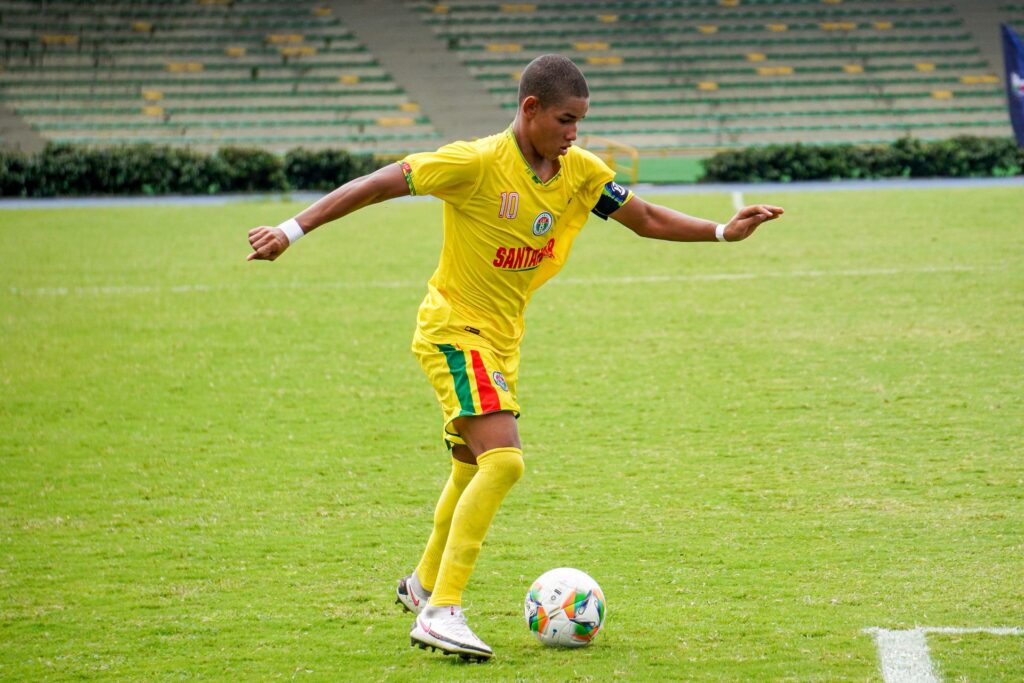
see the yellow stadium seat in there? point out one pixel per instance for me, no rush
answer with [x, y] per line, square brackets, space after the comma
[504, 47]
[980, 78]
[396, 121]
[297, 51]
[58, 39]
[184, 67]
[774, 70]
[279, 38]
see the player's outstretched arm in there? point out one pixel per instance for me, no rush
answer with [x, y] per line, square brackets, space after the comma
[663, 223]
[386, 183]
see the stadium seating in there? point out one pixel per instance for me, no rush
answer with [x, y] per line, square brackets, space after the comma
[1013, 14]
[671, 75]
[203, 73]
[706, 74]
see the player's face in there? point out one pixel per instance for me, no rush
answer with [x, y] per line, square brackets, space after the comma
[556, 126]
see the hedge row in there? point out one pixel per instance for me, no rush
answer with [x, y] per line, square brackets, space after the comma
[964, 156]
[65, 170]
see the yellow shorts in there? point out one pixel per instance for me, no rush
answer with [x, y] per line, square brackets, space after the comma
[468, 380]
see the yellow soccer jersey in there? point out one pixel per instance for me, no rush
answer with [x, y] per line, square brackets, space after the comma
[505, 233]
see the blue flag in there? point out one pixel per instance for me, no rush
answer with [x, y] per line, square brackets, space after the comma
[1013, 56]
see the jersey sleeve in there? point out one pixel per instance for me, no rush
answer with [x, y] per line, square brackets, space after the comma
[451, 173]
[600, 193]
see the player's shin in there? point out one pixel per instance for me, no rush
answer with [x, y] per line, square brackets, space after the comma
[499, 470]
[426, 570]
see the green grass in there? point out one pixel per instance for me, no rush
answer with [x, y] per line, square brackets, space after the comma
[214, 469]
[977, 657]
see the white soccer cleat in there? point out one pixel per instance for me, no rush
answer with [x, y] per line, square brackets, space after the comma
[408, 598]
[445, 629]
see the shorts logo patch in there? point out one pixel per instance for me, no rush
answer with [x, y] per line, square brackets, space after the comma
[499, 379]
[542, 223]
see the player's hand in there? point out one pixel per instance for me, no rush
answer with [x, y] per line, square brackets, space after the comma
[746, 220]
[267, 243]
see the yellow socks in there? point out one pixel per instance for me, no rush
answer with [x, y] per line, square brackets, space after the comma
[499, 469]
[426, 570]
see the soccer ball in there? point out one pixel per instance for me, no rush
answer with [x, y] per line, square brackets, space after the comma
[565, 608]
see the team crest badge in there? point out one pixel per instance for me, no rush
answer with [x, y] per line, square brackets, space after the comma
[499, 379]
[542, 223]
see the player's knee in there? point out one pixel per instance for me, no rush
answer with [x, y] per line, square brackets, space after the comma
[516, 467]
[505, 463]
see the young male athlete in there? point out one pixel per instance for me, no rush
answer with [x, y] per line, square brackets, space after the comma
[513, 203]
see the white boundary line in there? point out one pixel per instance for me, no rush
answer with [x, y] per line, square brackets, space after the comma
[127, 290]
[11, 203]
[904, 656]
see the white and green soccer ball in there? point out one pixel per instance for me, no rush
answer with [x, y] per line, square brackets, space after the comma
[565, 608]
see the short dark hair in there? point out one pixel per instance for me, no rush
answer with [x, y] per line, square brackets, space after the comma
[552, 79]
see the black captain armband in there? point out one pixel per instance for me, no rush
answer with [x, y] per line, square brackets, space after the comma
[613, 196]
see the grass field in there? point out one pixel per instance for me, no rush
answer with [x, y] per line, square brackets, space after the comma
[214, 469]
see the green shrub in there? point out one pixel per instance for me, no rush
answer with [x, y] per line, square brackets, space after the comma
[907, 157]
[251, 170]
[324, 169]
[67, 171]
[15, 174]
[63, 170]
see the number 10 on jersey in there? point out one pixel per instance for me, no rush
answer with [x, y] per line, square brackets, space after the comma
[509, 205]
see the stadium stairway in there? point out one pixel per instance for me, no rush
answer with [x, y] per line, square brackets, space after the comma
[16, 134]
[418, 60]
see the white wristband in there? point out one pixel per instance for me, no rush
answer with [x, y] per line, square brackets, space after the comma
[292, 230]
[720, 232]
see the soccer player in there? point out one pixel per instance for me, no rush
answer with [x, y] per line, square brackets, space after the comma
[513, 203]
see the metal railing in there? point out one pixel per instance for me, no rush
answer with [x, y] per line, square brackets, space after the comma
[611, 151]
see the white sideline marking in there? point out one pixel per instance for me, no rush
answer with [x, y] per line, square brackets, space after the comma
[737, 200]
[108, 290]
[903, 655]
